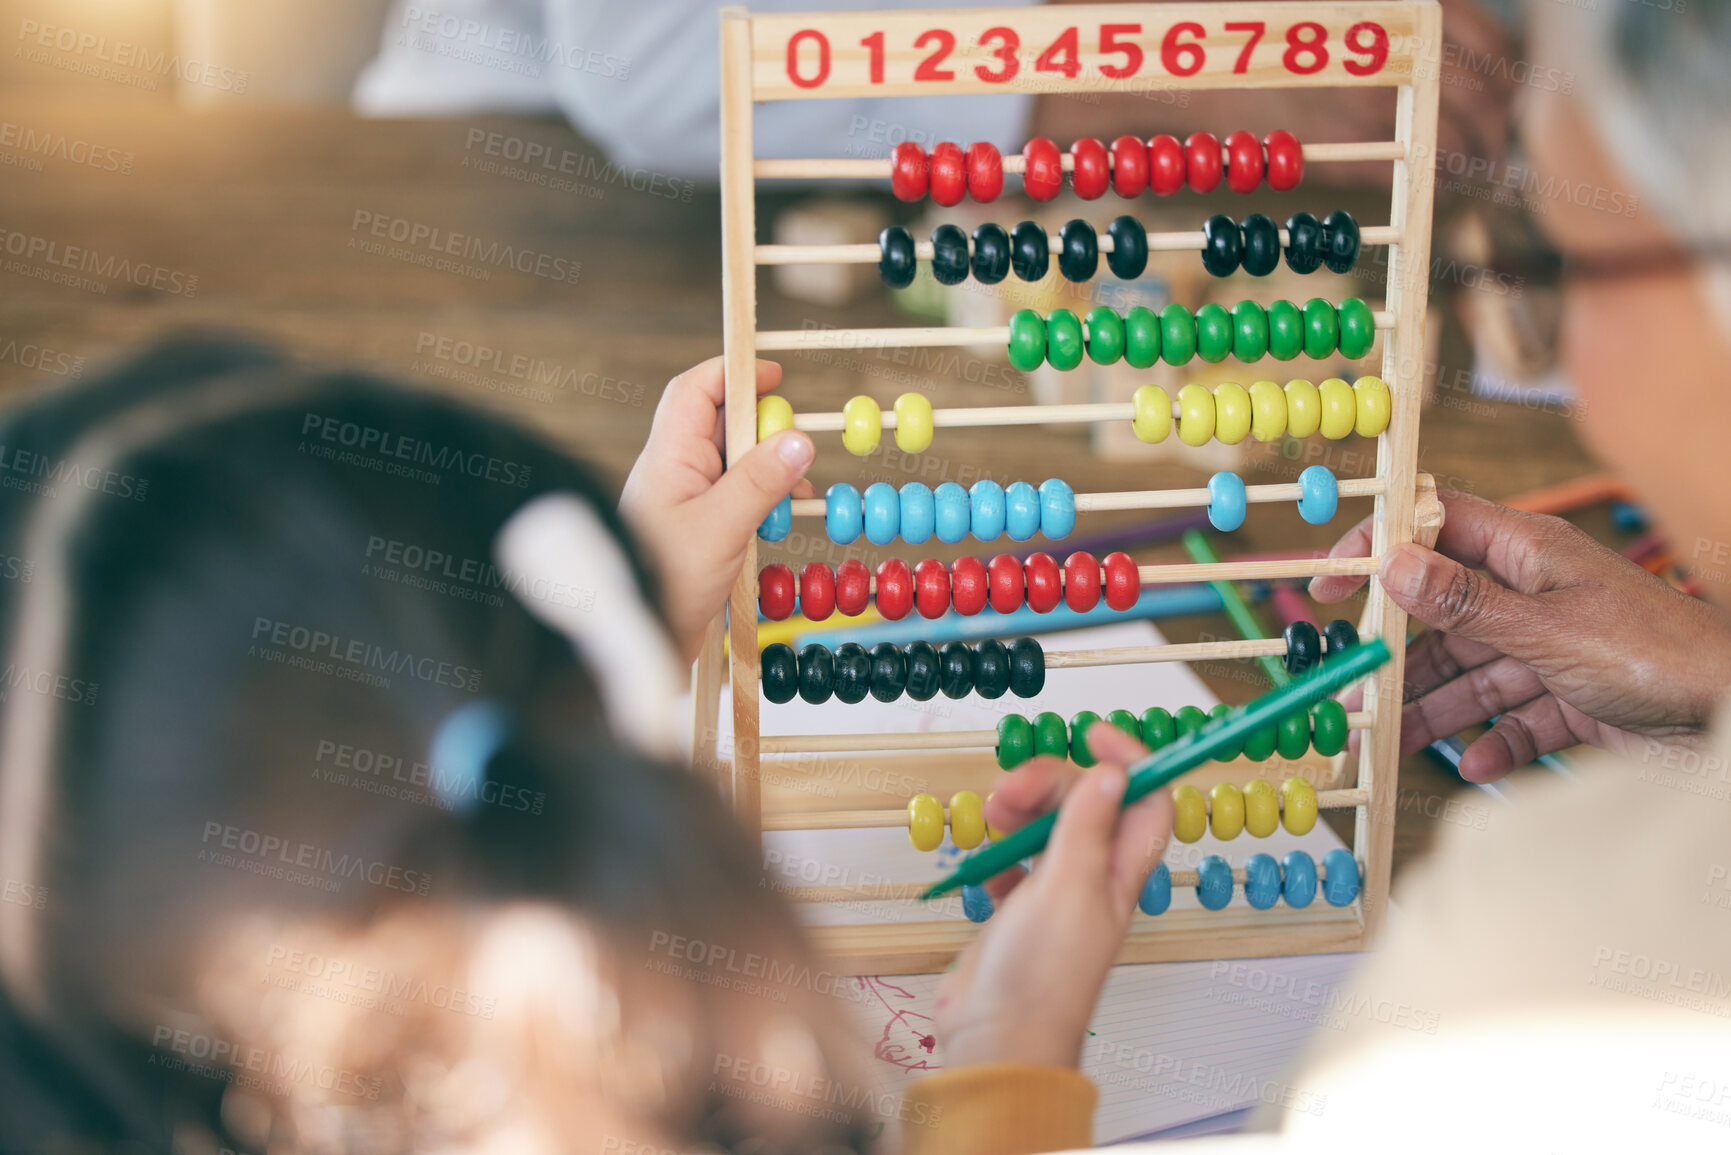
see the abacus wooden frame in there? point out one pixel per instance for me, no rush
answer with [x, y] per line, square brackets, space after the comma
[755, 67]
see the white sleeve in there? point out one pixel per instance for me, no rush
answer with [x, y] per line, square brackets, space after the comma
[451, 57]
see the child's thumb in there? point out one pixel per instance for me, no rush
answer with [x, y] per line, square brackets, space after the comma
[1081, 846]
[753, 485]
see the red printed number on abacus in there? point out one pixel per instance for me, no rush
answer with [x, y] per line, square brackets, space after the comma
[821, 72]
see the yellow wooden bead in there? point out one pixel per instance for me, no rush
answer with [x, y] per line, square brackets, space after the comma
[1299, 797]
[913, 423]
[1267, 411]
[1339, 408]
[773, 415]
[1195, 414]
[1231, 413]
[1374, 405]
[993, 832]
[1261, 808]
[925, 822]
[1303, 408]
[1227, 820]
[967, 820]
[861, 425]
[1153, 414]
[1189, 813]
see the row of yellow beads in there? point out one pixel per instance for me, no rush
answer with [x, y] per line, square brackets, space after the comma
[862, 422]
[1265, 411]
[1229, 811]
[967, 821]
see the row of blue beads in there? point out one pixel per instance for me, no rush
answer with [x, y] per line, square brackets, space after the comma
[916, 512]
[1319, 497]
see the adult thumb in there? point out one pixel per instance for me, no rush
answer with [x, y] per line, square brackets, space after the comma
[756, 483]
[1447, 596]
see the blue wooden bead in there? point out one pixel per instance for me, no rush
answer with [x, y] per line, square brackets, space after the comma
[779, 523]
[986, 500]
[1057, 509]
[919, 515]
[1226, 501]
[950, 505]
[843, 513]
[1262, 881]
[1341, 884]
[1213, 882]
[883, 513]
[976, 903]
[1300, 886]
[1156, 892]
[1021, 511]
[1320, 495]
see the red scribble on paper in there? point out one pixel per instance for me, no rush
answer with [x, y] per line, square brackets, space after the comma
[907, 1040]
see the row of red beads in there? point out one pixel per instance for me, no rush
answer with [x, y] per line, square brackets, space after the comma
[967, 584]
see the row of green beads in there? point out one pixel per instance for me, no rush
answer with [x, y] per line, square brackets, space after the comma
[1249, 332]
[1323, 728]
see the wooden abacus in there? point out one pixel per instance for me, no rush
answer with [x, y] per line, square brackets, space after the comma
[1070, 49]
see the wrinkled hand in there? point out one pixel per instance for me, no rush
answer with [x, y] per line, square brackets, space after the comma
[1569, 641]
[1024, 991]
[695, 520]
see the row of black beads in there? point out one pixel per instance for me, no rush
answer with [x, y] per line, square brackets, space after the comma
[1254, 244]
[1027, 251]
[920, 670]
[1304, 645]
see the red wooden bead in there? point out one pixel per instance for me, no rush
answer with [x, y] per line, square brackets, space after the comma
[1081, 581]
[909, 171]
[1123, 584]
[1090, 170]
[1045, 582]
[931, 588]
[949, 174]
[816, 591]
[1129, 166]
[1244, 162]
[1043, 169]
[1285, 160]
[895, 589]
[969, 584]
[1004, 572]
[775, 592]
[1165, 164]
[853, 587]
[1202, 161]
[985, 172]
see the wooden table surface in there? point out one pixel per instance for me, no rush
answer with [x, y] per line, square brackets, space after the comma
[270, 213]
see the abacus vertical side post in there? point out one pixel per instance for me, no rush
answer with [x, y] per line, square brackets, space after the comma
[739, 336]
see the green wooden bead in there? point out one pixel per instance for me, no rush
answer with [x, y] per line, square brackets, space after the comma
[1015, 741]
[1125, 721]
[1259, 746]
[1285, 330]
[1230, 752]
[1079, 752]
[1051, 736]
[1177, 334]
[1105, 335]
[1064, 339]
[1357, 328]
[1249, 331]
[1321, 329]
[1027, 340]
[1294, 737]
[1328, 727]
[1188, 720]
[1213, 333]
[1157, 727]
[1141, 337]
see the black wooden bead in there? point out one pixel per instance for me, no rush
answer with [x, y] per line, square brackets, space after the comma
[991, 668]
[1303, 243]
[1303, 647]
[780, 672]
[1261, 245]
[923, 667]
[949, 255]
[889, 672]
[1079, 251]
[1339, 241]
[1030, 251]
[956, 670]
[816, 674]
[1222, 245]
[991, 254]
[896, 263]
[1027, 668]
[1129, 255]
[853, 673]
[1340, 636]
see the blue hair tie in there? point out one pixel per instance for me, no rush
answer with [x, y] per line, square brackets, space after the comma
[465, 742]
